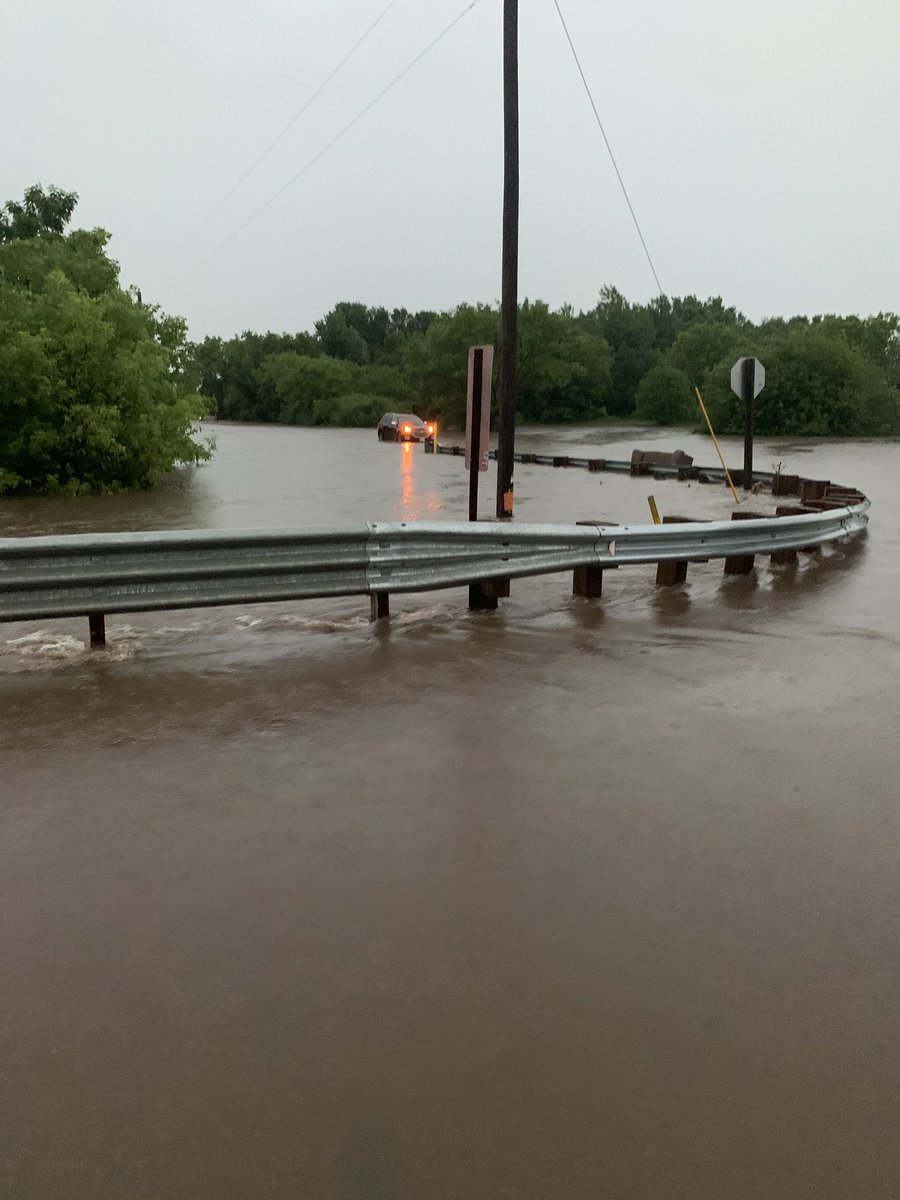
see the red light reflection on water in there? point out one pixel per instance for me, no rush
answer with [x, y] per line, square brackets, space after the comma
[415, 504]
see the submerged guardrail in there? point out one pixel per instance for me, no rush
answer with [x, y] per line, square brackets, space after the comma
[95, 574]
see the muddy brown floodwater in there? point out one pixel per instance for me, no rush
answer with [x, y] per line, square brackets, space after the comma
[576, 899]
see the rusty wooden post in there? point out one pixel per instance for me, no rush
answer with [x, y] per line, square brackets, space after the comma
[813, 489]
[786, 557]
[793, 510]
[379, 605]
[97, 630]
[588, 581]
[496, 589]
[479, 599]
[670, 572]
[785, 485]
[741, 564]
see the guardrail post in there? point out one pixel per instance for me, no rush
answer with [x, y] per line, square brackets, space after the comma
[813, 489]
[793, 510]
[741, 564]
[785, 485]
[379, 605]
[97, 630]
[480, 599]
[588, 582]
[787, 557]
[669, 573]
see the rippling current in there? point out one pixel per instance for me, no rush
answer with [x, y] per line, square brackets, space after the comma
[576, 899]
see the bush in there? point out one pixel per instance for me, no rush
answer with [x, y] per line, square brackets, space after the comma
[663, 397]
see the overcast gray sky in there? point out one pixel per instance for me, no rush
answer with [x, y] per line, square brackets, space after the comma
[758, 140]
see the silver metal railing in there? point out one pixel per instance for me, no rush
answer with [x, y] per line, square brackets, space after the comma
[84, 574]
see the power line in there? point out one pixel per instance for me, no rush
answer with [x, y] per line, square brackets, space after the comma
[608, 146]
[291, 123]
[328, 146]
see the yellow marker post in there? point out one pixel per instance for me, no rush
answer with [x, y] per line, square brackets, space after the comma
[716, 444]
[654, 511]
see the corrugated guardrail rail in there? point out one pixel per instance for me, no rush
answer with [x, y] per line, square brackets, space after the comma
[94, 574]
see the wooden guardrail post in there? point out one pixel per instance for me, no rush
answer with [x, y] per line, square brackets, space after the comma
[479, 598]
[379, 605]
[97, 630]
[741, 564]
[787, 557]
[669, 572]
[587, 581]
[793, 510]
[813, 489]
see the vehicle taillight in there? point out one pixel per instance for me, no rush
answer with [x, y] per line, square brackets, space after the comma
[431, 429]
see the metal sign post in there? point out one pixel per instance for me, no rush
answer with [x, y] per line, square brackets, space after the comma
[748, 377]
[478, 418]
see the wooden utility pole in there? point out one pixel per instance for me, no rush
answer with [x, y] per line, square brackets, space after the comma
[509, 298]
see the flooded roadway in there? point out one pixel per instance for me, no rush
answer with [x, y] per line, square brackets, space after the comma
[575, 899]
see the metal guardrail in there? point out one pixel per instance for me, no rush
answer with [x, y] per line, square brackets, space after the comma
[85, 574]
[616, 466]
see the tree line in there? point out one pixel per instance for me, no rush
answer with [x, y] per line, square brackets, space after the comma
[100, 391]
[826, 375]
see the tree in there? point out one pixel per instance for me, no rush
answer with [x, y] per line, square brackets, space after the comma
[95, 391]
[436, 363]
[630, 333]
[306, 386]
[339, 339]
[700, 346]
[40, 214]
[817, 384]
[664, 397]
[563, 369]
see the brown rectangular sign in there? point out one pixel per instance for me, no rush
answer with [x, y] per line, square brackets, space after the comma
[478, 397]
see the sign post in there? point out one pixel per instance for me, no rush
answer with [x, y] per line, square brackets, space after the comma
[478, 418]
[748, 377]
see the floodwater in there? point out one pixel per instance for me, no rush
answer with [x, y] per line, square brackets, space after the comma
[576, 899]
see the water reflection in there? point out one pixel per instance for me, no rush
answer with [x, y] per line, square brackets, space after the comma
[415, 505]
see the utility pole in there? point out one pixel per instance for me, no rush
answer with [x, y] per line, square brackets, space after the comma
[509, 297]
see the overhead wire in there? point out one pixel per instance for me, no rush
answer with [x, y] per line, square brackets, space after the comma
[333, 142]
[612, 157]
[291, 123]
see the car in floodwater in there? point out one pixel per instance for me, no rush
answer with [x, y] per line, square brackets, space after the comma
[404, 427]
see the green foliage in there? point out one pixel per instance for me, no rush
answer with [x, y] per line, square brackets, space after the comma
[95, 388]
[818, 383]
[564, 369]
[40, 214]
[436, 363]
[230, 377]
[305, 386]
[664, 397]
[630, 333]
[359, 409]
[835, 373]
[699, 347]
